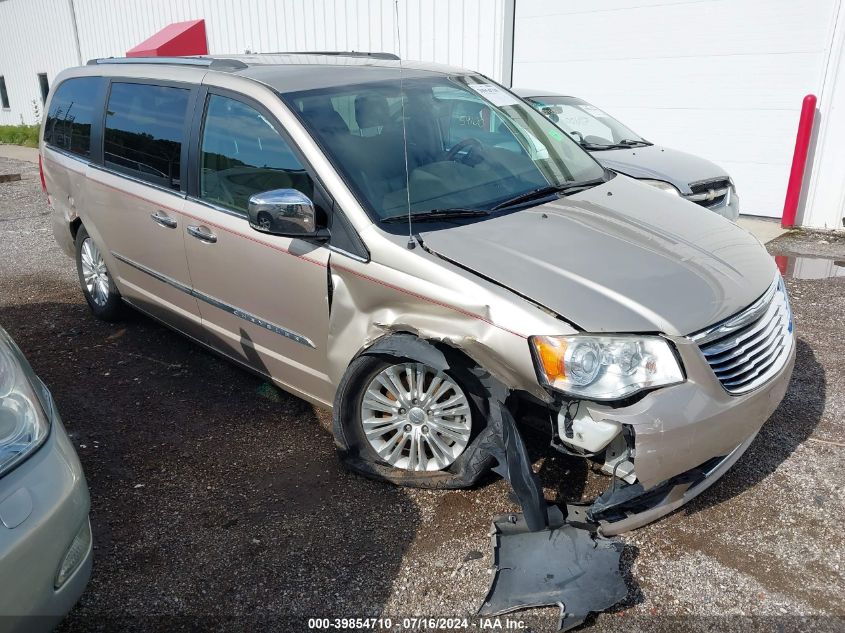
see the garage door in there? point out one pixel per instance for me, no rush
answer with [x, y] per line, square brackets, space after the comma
[723, 79]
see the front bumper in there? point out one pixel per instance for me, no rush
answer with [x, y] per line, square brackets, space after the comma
[47, 498]
[688, 435]
[672, 496]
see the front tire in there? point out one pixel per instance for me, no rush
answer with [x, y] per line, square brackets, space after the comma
[95, 280]
[401, 421]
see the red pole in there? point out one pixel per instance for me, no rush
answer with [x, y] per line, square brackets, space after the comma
[799, 161]
[782, 262]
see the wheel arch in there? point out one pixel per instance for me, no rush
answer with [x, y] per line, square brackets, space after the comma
[439, 355]
[74, 225]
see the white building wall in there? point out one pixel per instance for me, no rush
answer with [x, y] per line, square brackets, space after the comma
[720, 78]
[824, 206]
[468, 33]
[38, 34]
[723, 79]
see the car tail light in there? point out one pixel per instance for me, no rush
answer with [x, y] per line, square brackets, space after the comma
[41, 173]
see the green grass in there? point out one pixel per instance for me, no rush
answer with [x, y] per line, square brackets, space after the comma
[26, 135]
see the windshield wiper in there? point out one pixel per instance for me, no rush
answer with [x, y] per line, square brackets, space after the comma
[633, 142]
[623, 144]
[593, 147]
[437, 214]
[549, 190]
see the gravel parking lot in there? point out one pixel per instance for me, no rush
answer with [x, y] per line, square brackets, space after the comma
[218, 503]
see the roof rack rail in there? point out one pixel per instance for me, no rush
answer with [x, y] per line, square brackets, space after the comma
[207, 62]
[374, 55]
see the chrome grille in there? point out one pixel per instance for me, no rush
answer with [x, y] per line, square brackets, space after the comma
[746, 350]
[710, 193]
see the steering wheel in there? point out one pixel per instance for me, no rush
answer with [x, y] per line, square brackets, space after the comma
[469, 144]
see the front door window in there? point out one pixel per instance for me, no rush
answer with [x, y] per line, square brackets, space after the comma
[243, 154]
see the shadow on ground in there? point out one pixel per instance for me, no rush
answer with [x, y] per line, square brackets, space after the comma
[209, 486]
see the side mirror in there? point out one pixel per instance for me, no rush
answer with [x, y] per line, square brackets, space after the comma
[283, 212]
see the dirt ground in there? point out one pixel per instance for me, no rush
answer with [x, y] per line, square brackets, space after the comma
[218, 503]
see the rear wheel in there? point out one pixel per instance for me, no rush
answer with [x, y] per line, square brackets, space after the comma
[97, 286]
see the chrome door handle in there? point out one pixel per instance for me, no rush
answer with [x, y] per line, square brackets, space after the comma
[202, 233]
[160, 217]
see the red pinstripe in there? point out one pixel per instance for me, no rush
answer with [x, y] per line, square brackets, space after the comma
[307, 259]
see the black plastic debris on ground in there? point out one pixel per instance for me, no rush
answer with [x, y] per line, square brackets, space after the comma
[563, 566]
[540, 559]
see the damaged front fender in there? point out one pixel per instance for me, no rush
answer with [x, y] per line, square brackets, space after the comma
[462, 325]
[489, 324]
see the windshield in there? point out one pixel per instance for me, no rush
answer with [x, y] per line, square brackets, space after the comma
[471, 144]
[594, 129]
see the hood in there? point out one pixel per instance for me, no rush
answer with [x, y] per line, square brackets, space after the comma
[660, 163]
[620, 257]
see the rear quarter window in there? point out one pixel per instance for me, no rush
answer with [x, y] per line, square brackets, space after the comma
[144, 130]
[74, 107]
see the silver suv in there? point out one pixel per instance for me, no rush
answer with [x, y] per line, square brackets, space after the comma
[389, 239]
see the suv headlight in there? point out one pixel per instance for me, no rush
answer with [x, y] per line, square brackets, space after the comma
[668, 187]
[597, 367]
[23, 423]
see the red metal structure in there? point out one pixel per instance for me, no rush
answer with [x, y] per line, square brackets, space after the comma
[782, 262]
[799, 161]
[175, 40]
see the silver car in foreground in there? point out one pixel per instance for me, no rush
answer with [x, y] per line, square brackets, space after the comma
[45, 536]
[618, 148]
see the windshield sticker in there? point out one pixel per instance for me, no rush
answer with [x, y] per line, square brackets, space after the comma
[590, 109]
[494, 94]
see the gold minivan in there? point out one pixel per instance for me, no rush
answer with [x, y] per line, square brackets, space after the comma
[385, 238]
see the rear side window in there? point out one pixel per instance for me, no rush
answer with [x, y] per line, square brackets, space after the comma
[144, 131]
[72, 110]
[243, 154]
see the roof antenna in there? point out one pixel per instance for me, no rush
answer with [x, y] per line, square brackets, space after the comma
[411, 243]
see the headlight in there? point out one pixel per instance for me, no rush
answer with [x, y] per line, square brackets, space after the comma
[23, 424]
[662, 185]
[596, 367]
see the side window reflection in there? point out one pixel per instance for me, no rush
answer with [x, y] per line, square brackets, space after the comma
[242, 154]
[144, 129]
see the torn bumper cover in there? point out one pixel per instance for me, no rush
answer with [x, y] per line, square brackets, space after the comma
[547, 557]
[686, 437]
[564, 566]
[632, 506]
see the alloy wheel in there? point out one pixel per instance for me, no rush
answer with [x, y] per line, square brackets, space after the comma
[94, 273]
[415, 417]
